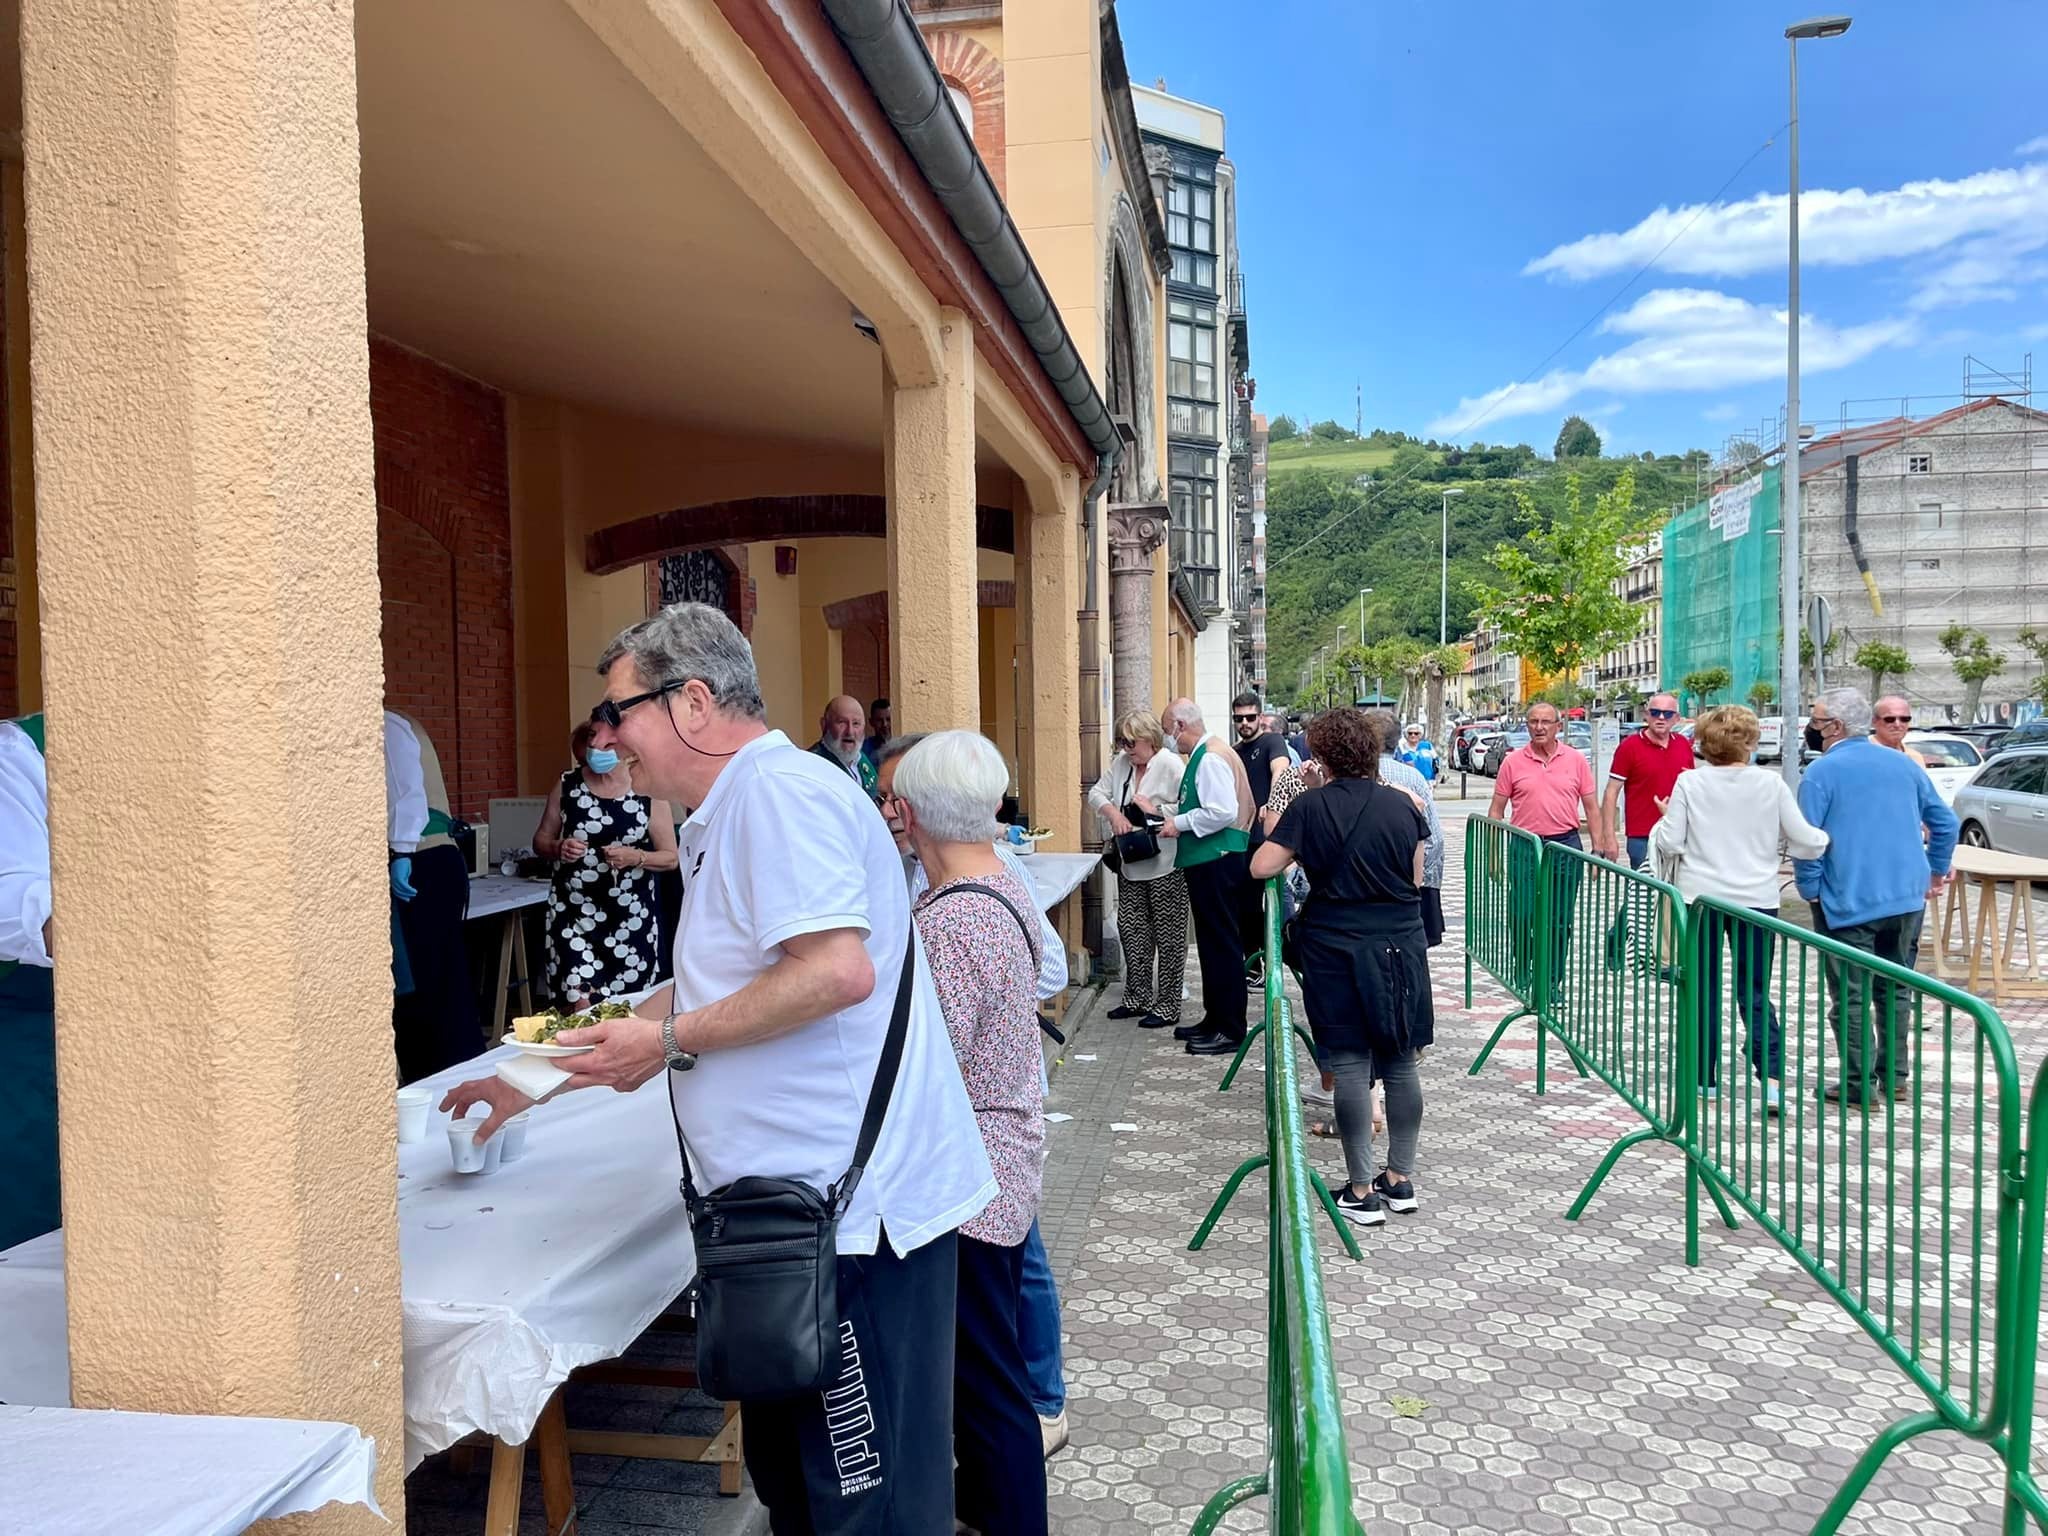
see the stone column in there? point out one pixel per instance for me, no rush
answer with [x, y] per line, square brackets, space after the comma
[208, 542]
[1136, 530]
[1051, 652]
[928, 464]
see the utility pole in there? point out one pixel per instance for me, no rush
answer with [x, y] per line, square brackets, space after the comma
[1358, 409]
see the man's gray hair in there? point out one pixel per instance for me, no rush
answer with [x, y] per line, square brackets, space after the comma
[1849, 706]
[1181, 712]
[896, 746]
[954, 780]
[686, 641]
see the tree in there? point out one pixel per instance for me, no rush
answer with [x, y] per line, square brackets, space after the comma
[1744, 451]
[2036, 645]
[1881, 660]
[1558, 604]
[1762, 696]
[1626, 699]
[1806, 655]
[1974, 661]
[1576, 439]
[1440, 662]
[1282, 429]
[1706, 682]
[1330, 431]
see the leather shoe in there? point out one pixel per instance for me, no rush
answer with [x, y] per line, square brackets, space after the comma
[1186, 1031]
[1153, 1021]
[1122, 1012]
[1214, 1043]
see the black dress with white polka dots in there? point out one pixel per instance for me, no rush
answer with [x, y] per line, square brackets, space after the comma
[601, 922]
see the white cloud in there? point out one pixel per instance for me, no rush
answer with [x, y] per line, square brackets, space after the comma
[1836, 228]
[1682, 339]
[2034, 146]
[1727, 411]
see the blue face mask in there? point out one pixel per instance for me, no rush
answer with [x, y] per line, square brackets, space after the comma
[603, 760]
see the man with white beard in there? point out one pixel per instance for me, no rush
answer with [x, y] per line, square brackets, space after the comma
[841, 730]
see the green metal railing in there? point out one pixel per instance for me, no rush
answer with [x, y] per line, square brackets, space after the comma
[1308, 1475]
[1904, 1194]
[1503, 883]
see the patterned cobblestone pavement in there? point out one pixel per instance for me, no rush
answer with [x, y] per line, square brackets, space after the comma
[1572, 1377]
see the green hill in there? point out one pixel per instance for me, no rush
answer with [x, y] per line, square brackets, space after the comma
[1327, 536]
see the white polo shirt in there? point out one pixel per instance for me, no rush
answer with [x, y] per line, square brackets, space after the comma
[787, 844]
[24, 848]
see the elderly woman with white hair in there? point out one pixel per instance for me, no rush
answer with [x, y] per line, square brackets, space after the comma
[981, 945]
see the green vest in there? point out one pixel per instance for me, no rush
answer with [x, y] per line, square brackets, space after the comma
[1189, 850]
[31, 727]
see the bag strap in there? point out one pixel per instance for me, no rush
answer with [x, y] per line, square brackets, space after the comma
[840, 1195]
[1030, 938]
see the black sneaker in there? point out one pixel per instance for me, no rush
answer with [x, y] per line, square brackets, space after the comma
[1124, 1011]
[1255, 971]
[1360, 1210]
[1153, 1021]
[1398, 1195]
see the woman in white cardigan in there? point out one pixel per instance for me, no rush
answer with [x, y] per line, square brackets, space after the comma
[1722, 828]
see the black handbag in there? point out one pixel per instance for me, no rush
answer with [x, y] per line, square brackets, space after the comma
[768, 1256]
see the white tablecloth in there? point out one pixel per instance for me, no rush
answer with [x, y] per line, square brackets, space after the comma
[511, 1279]
[1055, 875]
[490, 895]
[91, 1473]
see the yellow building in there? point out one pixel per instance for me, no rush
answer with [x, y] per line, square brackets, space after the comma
[405, 352]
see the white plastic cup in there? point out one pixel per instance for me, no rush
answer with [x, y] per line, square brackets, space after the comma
[414, 1105]
[463, 1150]
[513, 1137]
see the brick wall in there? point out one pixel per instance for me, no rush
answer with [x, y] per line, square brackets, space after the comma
[444, 559]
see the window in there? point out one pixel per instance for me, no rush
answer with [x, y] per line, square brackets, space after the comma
[1191, 350]
[1191, 223]
[1191, 498]
[1919, 463]
[1929, 517]
[963, 106]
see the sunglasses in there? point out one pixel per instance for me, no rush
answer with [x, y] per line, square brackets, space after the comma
[1244, 719]
[1663, 714]
[609, 711]
[1892, 719]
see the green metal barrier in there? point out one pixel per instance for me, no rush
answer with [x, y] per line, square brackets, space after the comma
[1503, 924]
[1308, 1475]
[2022, 1342]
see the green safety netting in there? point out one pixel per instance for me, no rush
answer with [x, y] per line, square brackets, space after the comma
[1721, 587]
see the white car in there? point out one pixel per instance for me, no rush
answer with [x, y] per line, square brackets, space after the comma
[1770, 741]
[1951, 761]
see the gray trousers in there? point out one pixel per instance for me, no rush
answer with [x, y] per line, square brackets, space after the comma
[1872, 1018]
[1355, 1072]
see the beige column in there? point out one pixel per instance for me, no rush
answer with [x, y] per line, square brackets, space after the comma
[929, 470]
[207, 534]
[1051, 771]
[1135, 533]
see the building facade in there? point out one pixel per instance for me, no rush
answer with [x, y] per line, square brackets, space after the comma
[1635, 664]
[1209, 392]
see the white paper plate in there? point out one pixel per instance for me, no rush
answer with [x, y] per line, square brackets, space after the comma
[532, 1048]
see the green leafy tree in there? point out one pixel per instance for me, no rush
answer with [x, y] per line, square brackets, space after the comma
[1882, 660]
[1706, 682]
[1438, 663]
[1576, 439]
[1626, 699]
[1975, 663]
[1762, 696]
[1806, 655]
[1330, 431]
[1282, 429]
[2036, 645]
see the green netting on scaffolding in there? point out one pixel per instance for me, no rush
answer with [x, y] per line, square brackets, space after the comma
[1721, 588]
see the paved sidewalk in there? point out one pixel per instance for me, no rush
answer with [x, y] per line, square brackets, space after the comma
[1573, 1378]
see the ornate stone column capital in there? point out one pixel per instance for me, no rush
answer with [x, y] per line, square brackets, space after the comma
[1135, 530]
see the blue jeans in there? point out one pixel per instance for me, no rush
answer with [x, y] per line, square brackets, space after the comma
[1754, 948]
[1038, 1331]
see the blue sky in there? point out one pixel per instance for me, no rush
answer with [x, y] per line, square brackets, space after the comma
[1432, 197]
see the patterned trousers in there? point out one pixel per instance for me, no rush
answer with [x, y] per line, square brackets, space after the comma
[1152, 918]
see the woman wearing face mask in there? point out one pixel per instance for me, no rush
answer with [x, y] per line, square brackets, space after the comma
[606, 842]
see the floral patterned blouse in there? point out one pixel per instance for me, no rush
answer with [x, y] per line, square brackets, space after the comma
[986, 974]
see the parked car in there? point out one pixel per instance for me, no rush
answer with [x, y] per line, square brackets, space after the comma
[1482, 739]
[1461, 743]
[1949, 759]
[2033, 734]
[1770, 741]
[1988, 738]
[1502, 744]
[2005, 806]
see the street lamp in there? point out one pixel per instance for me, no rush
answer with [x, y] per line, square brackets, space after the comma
[1788, 566]
[1363, 593]
[1443, 591]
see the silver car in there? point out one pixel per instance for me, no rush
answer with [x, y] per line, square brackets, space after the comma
[2006, 805]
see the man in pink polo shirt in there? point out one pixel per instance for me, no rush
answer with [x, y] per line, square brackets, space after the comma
[1545, 786]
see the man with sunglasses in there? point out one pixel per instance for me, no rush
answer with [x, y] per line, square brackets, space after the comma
[1645, 767]
[792, 939]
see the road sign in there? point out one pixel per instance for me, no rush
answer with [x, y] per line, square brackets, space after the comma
[1820, 622]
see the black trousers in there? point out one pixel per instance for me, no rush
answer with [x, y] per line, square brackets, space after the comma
[1216, 902]
[1000, 1484]
[29, 1204]
[436, 1023]
[872, 1455]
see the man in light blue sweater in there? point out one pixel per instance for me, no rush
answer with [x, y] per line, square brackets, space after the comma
[1870, 889]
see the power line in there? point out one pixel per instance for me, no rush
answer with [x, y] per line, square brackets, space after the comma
[1585, 325]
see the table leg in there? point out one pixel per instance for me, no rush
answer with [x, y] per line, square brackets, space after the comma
[557, 1485]
[1998, 950]
[498, 993]
[519, 959]
[2023, 903]
[1987, 938]
[508, 1469]
[725, 1450]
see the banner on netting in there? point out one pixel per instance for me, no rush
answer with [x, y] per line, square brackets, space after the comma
[1728, 510]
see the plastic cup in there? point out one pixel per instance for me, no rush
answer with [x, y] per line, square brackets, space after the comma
[513, 1137]
[463, 1150]
[414, 1105]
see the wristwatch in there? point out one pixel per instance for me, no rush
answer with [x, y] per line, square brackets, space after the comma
[679, 1060]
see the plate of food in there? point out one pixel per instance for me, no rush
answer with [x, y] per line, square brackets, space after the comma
[535, 1032]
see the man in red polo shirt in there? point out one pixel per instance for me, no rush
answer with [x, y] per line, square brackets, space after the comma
[1645, 765]
[1544, 786]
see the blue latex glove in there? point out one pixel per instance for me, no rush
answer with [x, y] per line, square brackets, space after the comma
[401, 879]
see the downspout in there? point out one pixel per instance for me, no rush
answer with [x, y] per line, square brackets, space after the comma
[1849, 466]
[888, 50]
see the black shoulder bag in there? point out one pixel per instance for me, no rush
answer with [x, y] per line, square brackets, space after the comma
[1030, 939]
[768, 1255]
